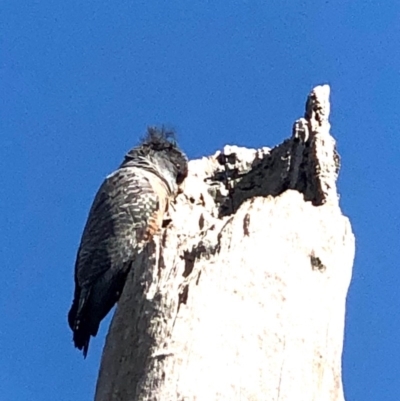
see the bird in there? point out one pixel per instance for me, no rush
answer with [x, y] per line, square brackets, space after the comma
[126, 213]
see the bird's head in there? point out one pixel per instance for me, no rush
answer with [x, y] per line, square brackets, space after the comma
[160, 149]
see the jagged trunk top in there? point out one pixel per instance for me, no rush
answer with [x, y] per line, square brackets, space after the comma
[242, 296]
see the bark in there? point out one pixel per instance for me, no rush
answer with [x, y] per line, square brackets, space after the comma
[242, 296]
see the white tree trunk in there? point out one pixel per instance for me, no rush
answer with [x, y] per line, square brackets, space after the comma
[242, 297]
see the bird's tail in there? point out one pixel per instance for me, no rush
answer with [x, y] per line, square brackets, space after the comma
[81, 340]
[82, 326]
[92, 304]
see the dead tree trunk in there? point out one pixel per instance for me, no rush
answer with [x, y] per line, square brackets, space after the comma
[242, 296]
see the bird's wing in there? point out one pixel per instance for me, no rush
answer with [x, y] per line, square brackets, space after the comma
[124, 215]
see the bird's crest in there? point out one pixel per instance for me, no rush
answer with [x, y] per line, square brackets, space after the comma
[159, 139]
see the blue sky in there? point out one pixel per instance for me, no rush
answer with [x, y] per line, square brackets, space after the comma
[79, 83]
